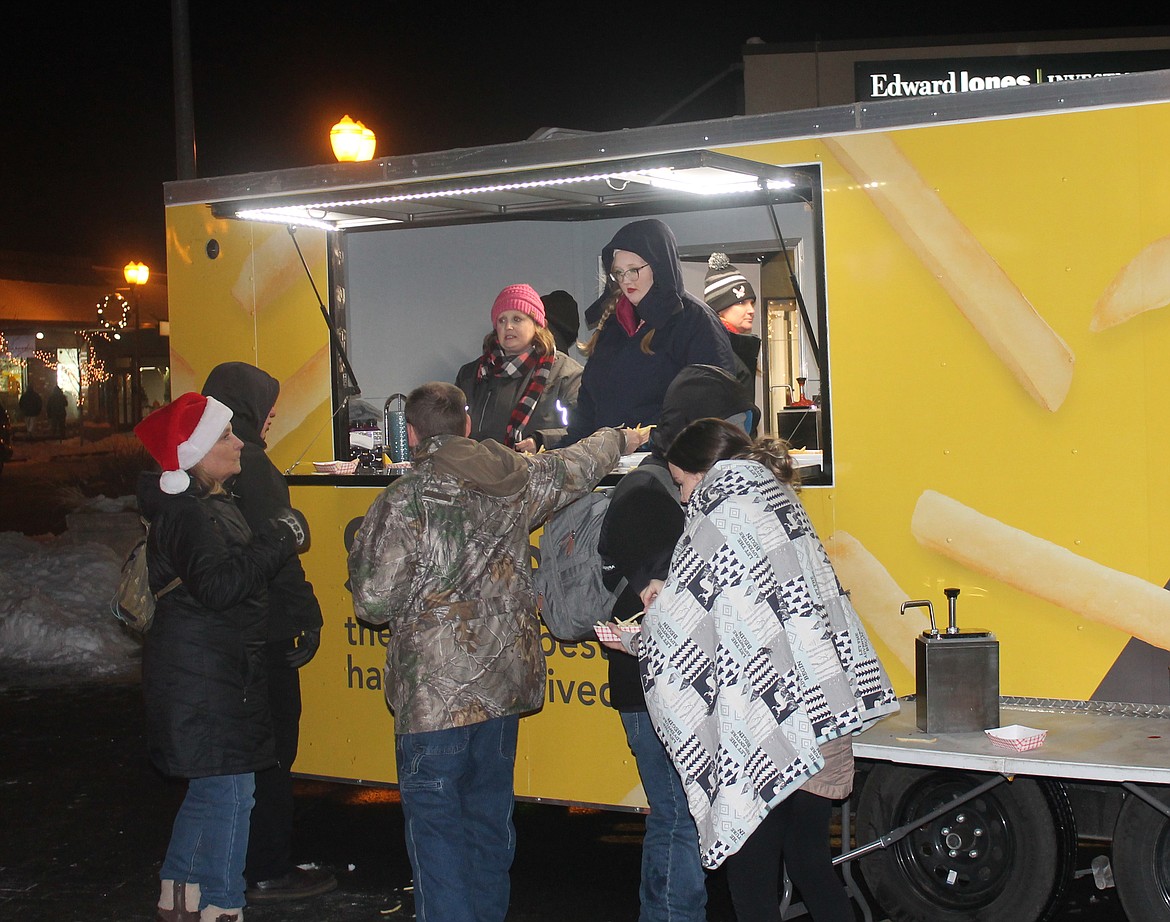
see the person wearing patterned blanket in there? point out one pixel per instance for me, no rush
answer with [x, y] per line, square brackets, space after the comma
[756, 671]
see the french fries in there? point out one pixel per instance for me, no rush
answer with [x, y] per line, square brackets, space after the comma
[1043, 569]
[1141, 285]
[876, 596]
[1038, 358]
[301, 393]
[270, 269]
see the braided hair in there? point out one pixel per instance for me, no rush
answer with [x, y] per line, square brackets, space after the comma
[606, 312]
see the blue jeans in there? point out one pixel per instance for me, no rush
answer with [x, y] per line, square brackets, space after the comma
[674, 886]
[457, 802]
[209, 840]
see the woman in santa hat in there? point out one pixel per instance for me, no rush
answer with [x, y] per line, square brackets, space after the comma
[203, 667]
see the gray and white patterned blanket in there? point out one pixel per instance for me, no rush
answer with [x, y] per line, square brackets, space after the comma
[752, 655]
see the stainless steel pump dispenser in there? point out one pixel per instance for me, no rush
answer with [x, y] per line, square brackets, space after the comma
[957, 674]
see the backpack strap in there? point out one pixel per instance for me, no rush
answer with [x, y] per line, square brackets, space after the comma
[173, 584]
[661, 474]
[658, 473]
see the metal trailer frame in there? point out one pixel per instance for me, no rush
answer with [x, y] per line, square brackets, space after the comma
[347, 187]
[1086, 741]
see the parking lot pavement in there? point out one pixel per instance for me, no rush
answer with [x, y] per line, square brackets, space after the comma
[86, 821]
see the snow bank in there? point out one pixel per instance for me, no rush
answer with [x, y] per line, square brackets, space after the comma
[54, 610]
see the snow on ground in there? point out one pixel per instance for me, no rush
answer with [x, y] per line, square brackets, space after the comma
[55, 611]
[55, 591]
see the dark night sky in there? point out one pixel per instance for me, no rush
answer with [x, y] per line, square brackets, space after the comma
[88, 105]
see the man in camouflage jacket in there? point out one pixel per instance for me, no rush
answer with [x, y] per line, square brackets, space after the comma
[442, 558]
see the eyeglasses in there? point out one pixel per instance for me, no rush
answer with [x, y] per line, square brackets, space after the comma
[620, 275]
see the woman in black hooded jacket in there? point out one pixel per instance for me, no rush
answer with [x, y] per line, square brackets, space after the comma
[648, 328]
[294, 633]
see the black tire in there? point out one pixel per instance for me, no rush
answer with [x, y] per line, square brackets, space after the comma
[1004, 856]
[1141, 860]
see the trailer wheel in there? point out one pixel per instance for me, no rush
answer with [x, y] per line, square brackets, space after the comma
[1141, 861]
[1005, 856]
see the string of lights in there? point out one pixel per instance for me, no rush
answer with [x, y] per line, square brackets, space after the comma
[88, 371]
[6, 355]
[107, 309]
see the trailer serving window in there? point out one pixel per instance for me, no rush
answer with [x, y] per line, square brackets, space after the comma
[416, 262]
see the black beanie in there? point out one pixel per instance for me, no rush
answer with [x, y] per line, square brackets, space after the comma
[697, 392]
[725, 286]
[560, 312]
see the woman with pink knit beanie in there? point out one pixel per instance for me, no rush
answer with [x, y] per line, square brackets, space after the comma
[521, 391]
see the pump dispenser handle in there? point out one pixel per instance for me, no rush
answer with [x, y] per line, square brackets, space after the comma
[923, 603]
[952, 622]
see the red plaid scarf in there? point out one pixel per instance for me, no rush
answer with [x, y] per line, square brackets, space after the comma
[495, 363]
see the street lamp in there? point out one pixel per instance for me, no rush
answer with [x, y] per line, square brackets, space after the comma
[136, 275]
[352, 140]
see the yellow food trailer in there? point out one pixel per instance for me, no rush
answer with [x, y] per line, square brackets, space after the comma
[967, 290]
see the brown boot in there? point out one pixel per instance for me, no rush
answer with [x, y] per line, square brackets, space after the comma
[178, 902]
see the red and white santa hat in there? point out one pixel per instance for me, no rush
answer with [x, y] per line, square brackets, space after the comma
[180, 434]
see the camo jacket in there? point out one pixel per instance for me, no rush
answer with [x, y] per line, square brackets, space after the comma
[442, 558]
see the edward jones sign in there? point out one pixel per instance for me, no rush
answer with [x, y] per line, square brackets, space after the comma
[940, 77]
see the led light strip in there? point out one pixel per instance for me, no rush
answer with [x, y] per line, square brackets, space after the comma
[660, 177]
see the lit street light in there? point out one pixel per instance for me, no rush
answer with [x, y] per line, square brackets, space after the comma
[136, 275]
[352, 141]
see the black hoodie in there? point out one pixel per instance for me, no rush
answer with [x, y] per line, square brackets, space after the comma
[645, 520]
[261, 491]
[621, 385]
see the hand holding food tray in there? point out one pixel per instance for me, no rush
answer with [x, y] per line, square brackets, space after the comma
[619, 635]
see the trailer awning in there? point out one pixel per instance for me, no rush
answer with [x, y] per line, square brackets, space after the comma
[659, 183]
[565, 174]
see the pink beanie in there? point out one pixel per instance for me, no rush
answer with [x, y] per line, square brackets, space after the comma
[521, 298]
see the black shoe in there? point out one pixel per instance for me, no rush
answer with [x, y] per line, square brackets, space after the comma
[297, 884]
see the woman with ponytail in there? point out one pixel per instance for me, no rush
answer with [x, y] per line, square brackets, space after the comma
[756, 671]
[647, 329]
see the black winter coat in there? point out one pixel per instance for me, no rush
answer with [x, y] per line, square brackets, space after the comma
[204, 672]
[261, 492]
[645, 519]
[642, 526]
[622, 385]
[746, 347]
